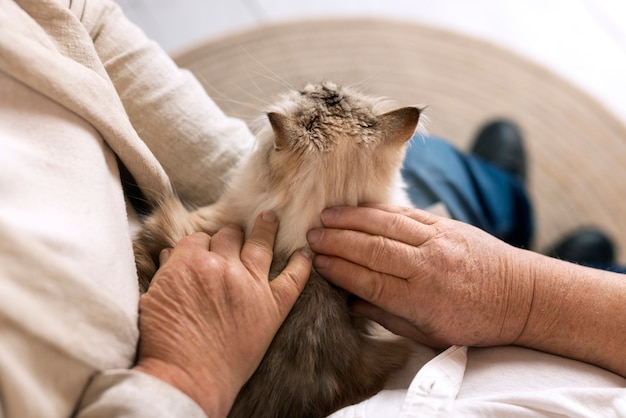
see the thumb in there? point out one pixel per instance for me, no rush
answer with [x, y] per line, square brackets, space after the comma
[288, 285]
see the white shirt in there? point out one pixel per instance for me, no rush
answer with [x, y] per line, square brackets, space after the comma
[499, 382]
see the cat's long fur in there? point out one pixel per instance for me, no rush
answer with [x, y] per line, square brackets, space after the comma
[319, 147]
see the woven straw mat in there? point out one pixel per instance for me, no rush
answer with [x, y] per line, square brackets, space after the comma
[575, 146]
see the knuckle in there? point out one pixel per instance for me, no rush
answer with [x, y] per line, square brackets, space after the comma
[205, 264]
[200, 234]
[377, 251]
[258, 248]
[375, 289]
[291, 277]
[394, 223]
[231, 230]
[211, 261]
[397, 222]
[197, 236]
[256, 254]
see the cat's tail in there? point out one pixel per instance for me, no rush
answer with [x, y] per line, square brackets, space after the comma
[167, 225]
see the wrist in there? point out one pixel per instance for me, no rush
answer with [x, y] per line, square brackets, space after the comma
[215, 400]
[520, 289]
[550, 299]
[577, 312]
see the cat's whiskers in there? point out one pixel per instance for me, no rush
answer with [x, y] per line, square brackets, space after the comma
[276, 77]
[217, 94]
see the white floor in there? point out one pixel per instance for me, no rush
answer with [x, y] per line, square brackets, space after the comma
[583, 40]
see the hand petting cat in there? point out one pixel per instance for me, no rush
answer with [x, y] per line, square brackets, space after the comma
[210, 312]
[443, 282]
[421, 276]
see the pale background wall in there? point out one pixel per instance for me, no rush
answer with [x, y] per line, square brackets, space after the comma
[583, 40]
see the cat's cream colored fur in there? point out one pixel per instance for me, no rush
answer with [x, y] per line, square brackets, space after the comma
[319, 147]
[351, 170]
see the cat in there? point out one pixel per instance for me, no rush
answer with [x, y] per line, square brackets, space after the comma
[322, 146]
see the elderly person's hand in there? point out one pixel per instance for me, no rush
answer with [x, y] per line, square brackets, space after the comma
[443, 282]
[428, 278]
[210, 312]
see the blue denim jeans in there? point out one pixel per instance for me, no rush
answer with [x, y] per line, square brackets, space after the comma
[473, 190]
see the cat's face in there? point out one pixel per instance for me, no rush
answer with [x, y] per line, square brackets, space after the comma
[350, 144]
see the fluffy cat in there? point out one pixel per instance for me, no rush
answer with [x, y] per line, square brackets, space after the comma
[318, 147]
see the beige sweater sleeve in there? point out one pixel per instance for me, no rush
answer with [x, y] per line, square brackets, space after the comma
[127, 393]
[191, 137]
[97, 92]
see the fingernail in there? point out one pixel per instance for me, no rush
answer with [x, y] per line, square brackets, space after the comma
[314, 235]
[329, 214]
[320, 262]
[164, 255]
[306, 252]
[269, 216]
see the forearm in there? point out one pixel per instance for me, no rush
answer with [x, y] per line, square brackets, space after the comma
[577, 312]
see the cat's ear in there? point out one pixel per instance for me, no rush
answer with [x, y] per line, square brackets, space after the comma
[283, 128]
[399, 125]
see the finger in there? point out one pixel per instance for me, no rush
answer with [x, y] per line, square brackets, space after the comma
[375, 221]
[227, 242]
[394, 323]
[187, 245]
[164, 255]
[416, 214]
[197, 240]
[383, 290]
[258, 249]
[288, 285]
[375, 252]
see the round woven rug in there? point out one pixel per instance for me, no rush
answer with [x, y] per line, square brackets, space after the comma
[576, 148]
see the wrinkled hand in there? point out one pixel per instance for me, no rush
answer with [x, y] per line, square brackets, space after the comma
[432, 279]
[210, 313]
